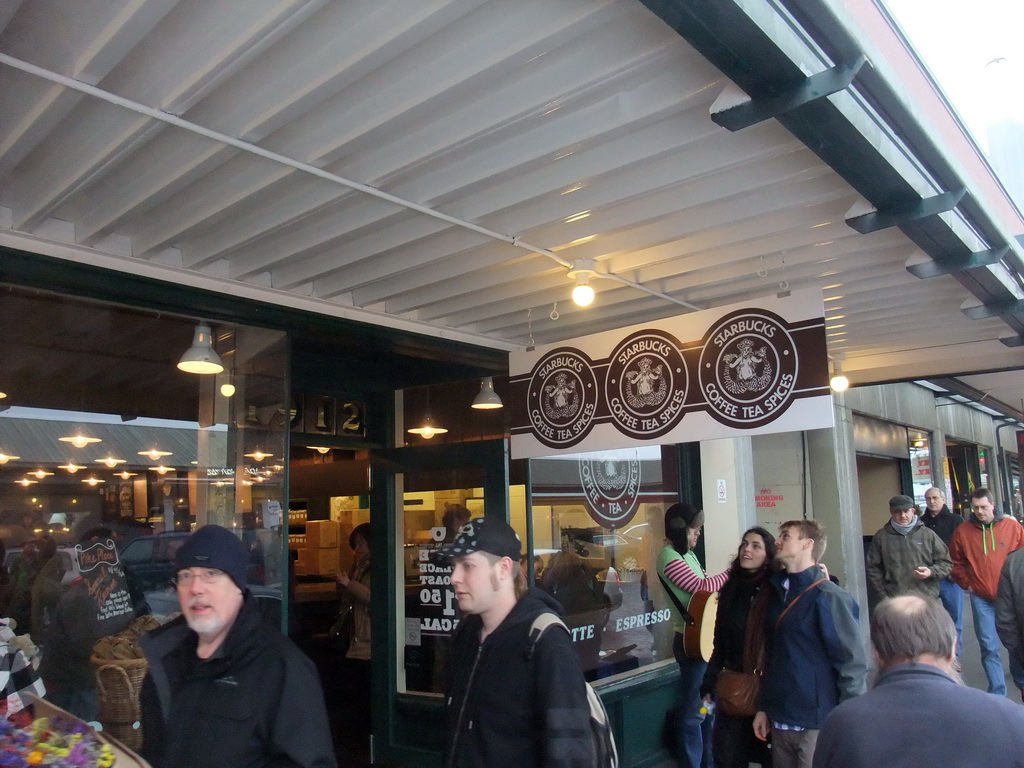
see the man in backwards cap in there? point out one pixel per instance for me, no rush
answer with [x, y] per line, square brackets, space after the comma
[508, 704]
[225, 688]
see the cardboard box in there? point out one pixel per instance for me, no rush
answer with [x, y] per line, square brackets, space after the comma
[321, 534]
[322, 562]
[124, 757]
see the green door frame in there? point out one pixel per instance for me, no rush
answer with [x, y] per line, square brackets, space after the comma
[410, 728]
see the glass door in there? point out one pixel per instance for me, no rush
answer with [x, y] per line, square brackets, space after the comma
[425, 494]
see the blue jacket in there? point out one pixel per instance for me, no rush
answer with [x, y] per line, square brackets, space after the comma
[816, 654]
[917, 716]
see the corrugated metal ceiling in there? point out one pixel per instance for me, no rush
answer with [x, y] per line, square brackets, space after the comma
[261, 146]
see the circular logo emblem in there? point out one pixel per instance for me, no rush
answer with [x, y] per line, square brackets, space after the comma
[646, 384]
[562, 398]
[611, 483]
[748, 369]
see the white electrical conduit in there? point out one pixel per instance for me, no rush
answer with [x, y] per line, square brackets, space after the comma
[254, 149]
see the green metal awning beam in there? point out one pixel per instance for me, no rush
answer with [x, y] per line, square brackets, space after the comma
[994, 309]
[948, 265]
[902, 214]
[789, 97]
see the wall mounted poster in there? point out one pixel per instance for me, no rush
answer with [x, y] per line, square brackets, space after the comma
[725, 372]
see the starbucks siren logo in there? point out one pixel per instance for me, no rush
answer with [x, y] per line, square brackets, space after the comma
[562, 398]
[748, 369]
[611, 483]
[646, 384]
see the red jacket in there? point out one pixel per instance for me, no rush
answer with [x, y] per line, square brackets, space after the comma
[979, 551]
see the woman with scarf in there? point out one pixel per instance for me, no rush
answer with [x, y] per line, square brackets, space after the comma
[739, 643]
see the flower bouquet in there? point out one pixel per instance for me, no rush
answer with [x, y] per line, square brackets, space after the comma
[52, 737]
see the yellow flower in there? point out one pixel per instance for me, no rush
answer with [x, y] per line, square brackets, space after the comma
[34, 758]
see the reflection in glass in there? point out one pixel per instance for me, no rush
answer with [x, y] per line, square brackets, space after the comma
[597, 528]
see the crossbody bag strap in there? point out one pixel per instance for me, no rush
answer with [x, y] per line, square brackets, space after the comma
[687, 618]
[786, 610]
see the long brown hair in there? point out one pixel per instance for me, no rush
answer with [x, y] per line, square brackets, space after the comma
[736, 571]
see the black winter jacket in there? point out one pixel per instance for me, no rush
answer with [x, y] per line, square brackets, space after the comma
[943, 524]
[504, 709]
[256, 705]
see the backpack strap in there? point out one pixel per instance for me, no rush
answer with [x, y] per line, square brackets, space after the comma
[539, 626]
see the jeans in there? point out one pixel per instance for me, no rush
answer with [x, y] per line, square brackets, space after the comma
[985, 628]
[693, 730]
[952, 597]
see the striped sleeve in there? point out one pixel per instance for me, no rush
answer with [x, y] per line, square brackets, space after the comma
[680, 574]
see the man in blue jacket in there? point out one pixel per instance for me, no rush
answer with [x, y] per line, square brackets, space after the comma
[816, 655]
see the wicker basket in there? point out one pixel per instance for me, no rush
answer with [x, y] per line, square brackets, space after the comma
[119, 682]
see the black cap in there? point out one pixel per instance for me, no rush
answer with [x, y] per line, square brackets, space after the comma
[901, 502]
[482, 534]
[215, 547]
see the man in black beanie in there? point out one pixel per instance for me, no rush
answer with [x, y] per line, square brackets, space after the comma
[225, 688]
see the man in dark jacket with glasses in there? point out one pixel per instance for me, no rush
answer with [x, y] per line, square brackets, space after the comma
[225, 688]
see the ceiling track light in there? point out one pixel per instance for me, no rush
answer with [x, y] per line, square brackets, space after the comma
[487, 398]
[582, 271]
[839, 382]
[201, 357]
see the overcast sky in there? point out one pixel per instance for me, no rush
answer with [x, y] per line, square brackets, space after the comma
[975, 50]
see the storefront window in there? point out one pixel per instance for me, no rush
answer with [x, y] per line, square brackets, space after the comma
[598, 525]
[920, 464]
[434, 511]
[102, 432]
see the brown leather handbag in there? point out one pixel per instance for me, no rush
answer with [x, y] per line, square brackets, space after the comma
[736, 692]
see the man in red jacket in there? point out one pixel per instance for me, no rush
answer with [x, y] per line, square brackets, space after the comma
[978, 551]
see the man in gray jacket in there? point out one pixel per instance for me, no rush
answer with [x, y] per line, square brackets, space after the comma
[905, 556]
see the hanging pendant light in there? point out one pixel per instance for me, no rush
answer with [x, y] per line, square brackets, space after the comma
[5, 457]
[487, 399]
[201, 357]
[79, 440]
[155, 454]
[427, 429]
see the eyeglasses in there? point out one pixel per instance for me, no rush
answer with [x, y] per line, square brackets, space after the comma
[208, 576]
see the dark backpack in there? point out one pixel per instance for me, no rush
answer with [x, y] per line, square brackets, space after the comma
[605, 754]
